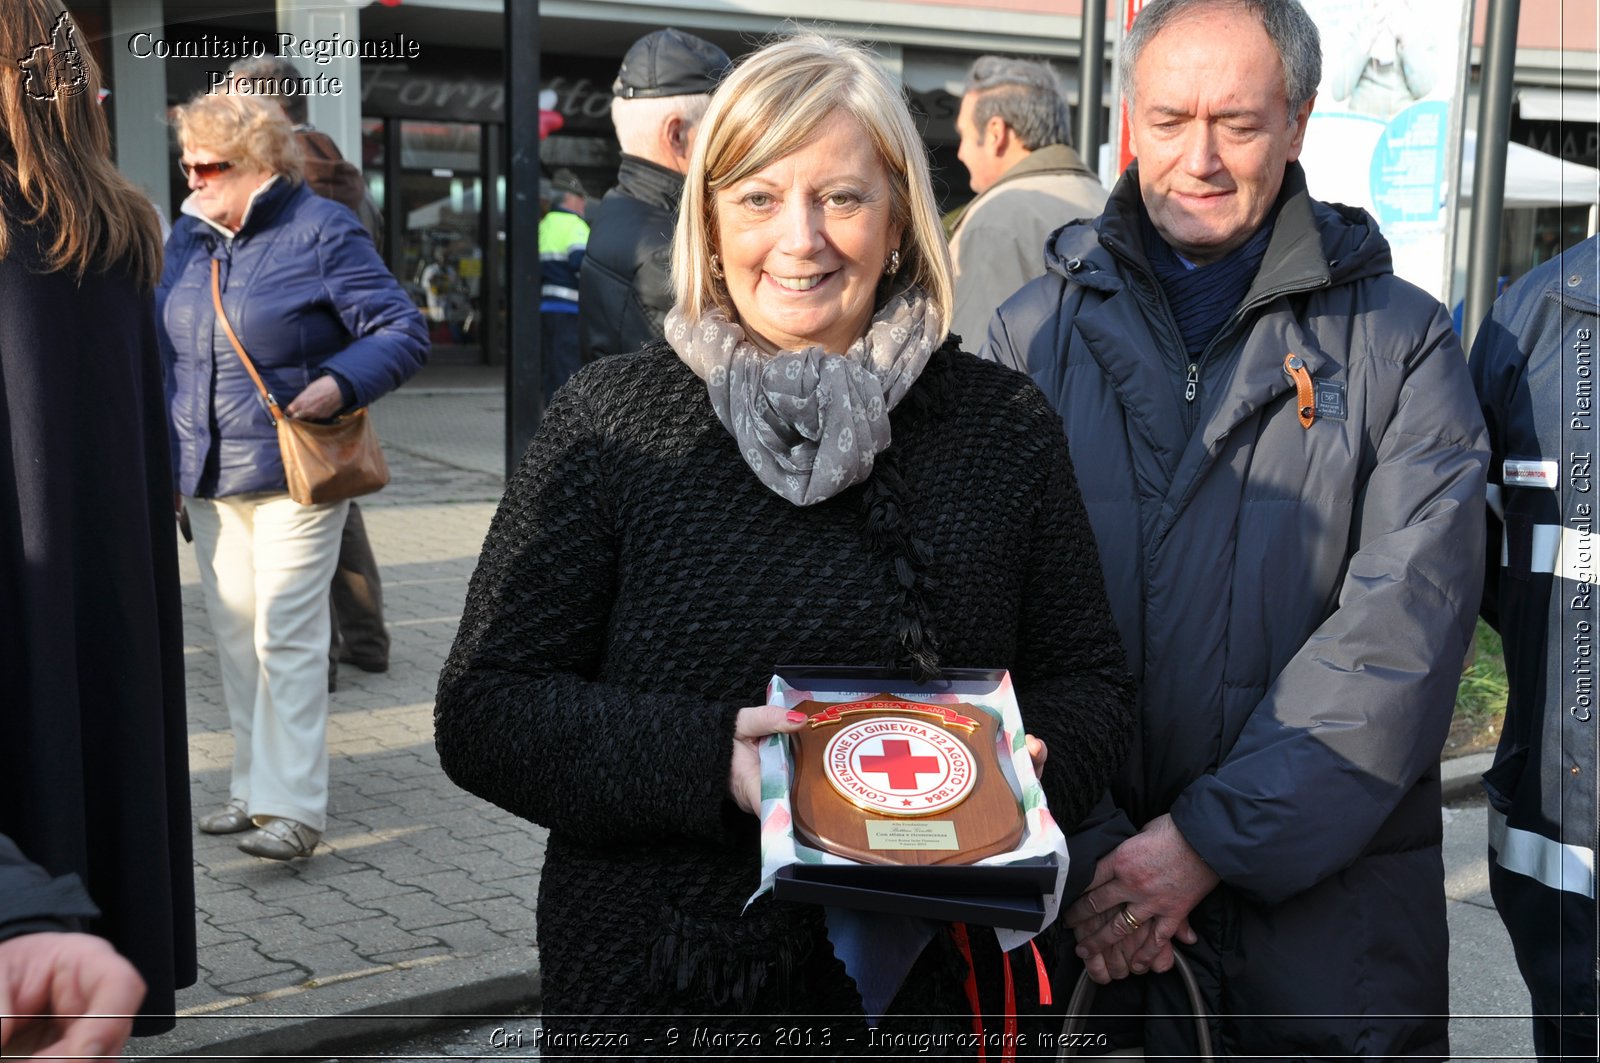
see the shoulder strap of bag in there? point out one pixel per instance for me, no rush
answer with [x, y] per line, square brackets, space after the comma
[222, 316]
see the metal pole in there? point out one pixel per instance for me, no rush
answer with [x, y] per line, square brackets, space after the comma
[1091, 79]
[524, 400]
[1489, 176]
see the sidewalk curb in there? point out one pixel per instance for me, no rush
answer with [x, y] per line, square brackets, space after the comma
[353, 1016]
[1459, 777]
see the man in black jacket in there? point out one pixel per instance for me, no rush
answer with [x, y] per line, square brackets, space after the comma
[1283, 461]
[659, 96]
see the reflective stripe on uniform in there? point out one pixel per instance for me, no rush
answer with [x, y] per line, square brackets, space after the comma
[556, 291]
[1558, 549]
[1557, 865]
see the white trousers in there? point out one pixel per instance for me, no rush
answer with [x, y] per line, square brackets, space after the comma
[265, 564]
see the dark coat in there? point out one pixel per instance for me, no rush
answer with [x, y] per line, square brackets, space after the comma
[1533, 364]
[93, 740]
[625, 289]
[32, 902]
[307, 294]
[637, 588]
[1295, 601]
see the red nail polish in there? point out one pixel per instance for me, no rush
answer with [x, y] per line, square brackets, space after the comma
[795, 716]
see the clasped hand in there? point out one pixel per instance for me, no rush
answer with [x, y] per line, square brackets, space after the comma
[755, 722]
[1140, 899]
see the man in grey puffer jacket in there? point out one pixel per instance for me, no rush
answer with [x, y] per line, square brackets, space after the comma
[1281, 456]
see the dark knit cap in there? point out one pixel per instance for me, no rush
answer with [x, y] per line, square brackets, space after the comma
[670, 62]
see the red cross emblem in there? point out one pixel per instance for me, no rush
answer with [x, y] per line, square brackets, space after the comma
[897, 762]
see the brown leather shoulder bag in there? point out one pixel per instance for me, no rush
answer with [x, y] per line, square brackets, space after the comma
[322, 462]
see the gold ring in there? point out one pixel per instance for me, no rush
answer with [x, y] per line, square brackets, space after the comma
[1128, 920]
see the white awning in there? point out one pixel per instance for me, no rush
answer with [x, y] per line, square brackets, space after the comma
[1560, 105]
[1534, 179]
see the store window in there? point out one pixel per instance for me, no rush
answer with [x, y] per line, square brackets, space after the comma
[440, 258]
[1531, 236]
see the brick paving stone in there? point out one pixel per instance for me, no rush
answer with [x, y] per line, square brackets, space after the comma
[476, 935]
[332, 907]
[380, 936]
[345, 797]
[264, 983]
[227, 907]
[452, 887]
[419, 911]
[333, 861]
[488, 867]
[286, 889]
[206, 935]
[278, 937]
[379, 783]
[386, 817]
[421, 952]
[331, 959]
[508, 915]
[403, 863]
[232, 961]
[362, 887]
[478, 821]
[438, 844]
[525, 889]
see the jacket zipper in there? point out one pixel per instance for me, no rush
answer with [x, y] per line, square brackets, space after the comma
[1191, 389]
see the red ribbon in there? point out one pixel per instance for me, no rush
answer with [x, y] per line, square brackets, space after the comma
[1008, 1048]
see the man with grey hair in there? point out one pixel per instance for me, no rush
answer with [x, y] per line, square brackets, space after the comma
[1277, 443]
[1015, 146]
[659, 97]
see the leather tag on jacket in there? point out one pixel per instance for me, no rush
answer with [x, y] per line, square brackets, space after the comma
[1329, 399]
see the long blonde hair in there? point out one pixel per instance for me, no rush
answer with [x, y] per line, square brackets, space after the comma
[775, 102]
[55, 147]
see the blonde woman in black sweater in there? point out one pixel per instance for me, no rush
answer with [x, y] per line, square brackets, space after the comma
[804, 472]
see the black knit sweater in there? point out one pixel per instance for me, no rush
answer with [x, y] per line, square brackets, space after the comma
[637, 588]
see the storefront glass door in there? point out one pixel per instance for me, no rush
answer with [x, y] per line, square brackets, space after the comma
[439, 257]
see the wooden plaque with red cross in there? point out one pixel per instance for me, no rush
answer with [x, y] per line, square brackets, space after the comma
[885, 780]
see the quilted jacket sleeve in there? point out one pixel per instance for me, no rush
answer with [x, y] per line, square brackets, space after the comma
[1360, 712]
[390, 339]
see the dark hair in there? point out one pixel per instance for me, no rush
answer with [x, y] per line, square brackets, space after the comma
[1025, 96]
[1290, 29]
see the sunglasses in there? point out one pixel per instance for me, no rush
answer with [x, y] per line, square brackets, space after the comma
[206, 170]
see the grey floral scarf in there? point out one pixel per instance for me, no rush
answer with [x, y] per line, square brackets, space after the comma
[809, 423]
